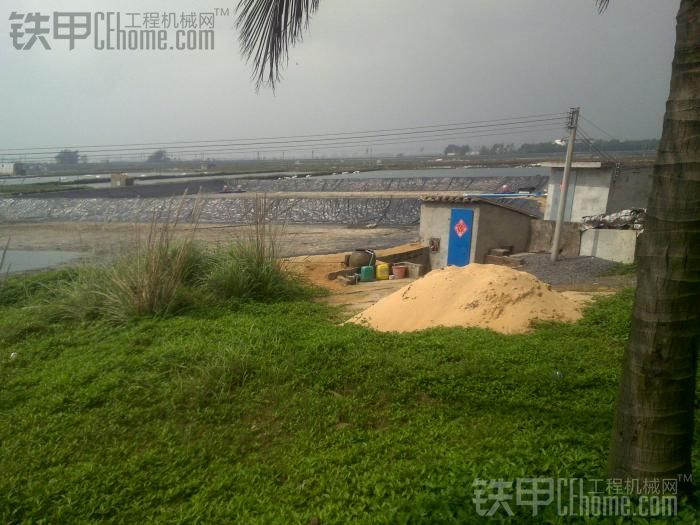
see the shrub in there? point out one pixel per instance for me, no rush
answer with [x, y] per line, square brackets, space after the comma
[251, 269]
[150, 282]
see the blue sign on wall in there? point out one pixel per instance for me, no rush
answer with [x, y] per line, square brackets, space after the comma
[461, 226]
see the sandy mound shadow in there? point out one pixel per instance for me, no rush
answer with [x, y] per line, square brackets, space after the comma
[477, 295]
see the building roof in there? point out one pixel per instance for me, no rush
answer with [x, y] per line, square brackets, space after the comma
[509, 203]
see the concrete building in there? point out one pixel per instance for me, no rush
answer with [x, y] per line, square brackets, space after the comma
[631, 187]
[11, 168]
[461, 230]
[596, 188]
[589, 189]
[121, 180]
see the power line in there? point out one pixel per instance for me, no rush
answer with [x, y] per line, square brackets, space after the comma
[353, 142]
[416, 130]
[592, 144]
[596, 126]
[306, 142]
[337, 145]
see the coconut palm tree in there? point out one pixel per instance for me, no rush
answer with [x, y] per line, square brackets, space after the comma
[268, 29]
[653, 427]
[653, 430]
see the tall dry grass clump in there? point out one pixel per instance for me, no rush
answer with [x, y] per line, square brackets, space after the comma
[4, 272]
[150, 281]
[3, 256]
[250, 269]
[167, 272]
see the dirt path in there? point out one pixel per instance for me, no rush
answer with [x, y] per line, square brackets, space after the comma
[353, 298]
[102, 239]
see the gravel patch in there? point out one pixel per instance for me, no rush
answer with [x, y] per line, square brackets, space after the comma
[567, 270]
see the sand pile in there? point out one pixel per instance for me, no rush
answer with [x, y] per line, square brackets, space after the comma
[480, 295]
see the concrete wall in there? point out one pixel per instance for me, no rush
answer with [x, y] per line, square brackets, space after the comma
[630, 189]
[541, 233]
[590, 190]
[501, 228]
[494, 227]
[435, 223]
[612, 245]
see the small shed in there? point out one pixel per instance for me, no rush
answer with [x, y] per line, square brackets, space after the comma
[462, 230]
[589, 189]
[120, 180]
[12, 168]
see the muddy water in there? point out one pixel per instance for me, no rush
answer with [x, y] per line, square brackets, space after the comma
[17, 261]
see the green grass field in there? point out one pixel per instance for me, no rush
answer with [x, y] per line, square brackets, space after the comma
[272, 413]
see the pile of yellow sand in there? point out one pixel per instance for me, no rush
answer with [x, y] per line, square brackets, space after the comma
[481, 295]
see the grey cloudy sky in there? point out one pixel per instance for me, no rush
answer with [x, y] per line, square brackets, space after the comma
[364, 64]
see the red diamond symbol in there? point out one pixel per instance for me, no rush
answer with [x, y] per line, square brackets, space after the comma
[461, 228]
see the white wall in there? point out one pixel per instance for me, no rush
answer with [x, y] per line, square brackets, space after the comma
[435, 223]
[590, 192]
[612, 245]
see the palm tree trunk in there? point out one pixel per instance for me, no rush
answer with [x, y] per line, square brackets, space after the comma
[653, 431]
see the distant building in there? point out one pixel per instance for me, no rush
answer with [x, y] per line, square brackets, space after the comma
[12, 168]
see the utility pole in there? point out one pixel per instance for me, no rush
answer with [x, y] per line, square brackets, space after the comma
[563, 194]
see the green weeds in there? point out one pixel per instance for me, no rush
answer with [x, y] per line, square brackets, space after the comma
[272, 413]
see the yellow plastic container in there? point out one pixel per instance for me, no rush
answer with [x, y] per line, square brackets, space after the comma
[383, 272]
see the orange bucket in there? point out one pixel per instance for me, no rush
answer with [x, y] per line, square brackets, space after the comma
[400, 271]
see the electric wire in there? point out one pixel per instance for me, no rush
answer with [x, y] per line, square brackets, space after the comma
[596, 126]
[353, 142]
[593, 145]
[323, 136]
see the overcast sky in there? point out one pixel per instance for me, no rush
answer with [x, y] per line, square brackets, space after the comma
[364, 64]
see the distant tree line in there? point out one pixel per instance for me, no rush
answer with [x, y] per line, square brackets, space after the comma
[459, 151]
[552, 147]
[159, 156]
[68, 157]
[497, 149]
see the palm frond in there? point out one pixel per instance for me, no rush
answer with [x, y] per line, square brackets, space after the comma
[268, 29]
[602, 5]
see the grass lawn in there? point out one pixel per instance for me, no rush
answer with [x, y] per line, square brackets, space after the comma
[272, 413]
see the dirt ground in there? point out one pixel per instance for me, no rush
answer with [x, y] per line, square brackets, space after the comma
[324, 246]
[98, 239]
[355, 298]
